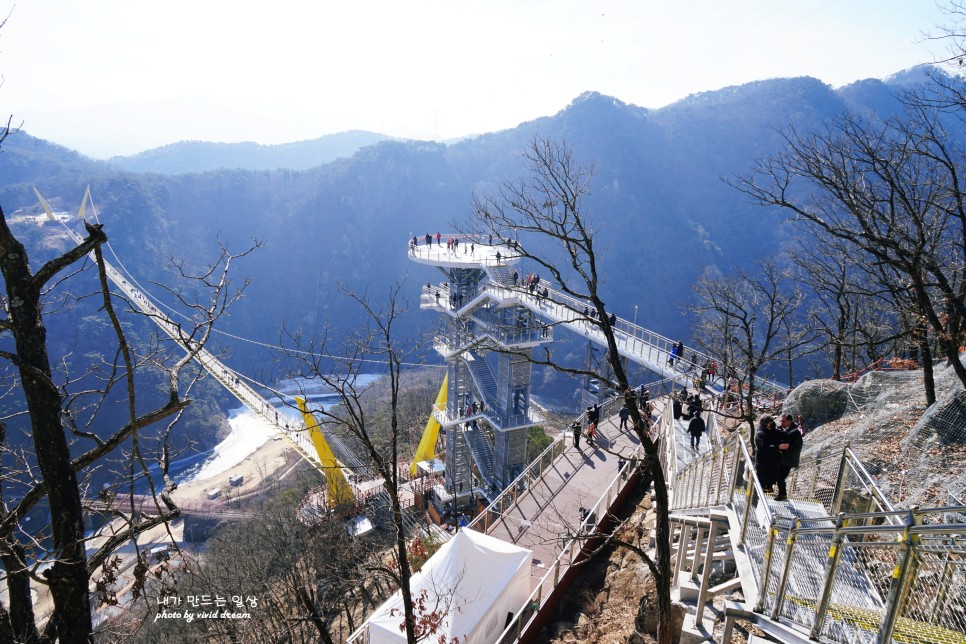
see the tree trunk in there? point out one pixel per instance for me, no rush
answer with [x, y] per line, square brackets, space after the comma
[68, 575]
[928, 378]
[662, 537]
[21, 625]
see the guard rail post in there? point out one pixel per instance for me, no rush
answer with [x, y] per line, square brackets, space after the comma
[684, 536]
[831, 564]
[783, 581]
[747, 514]
[766, 568]
[839, 492]
[700, 537]
[706, 570]
[901, 576]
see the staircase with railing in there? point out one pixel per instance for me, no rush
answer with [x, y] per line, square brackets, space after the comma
[481, 448]
[836, 562]
[483, 379]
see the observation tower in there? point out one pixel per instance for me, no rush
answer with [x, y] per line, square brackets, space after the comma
[486, 336]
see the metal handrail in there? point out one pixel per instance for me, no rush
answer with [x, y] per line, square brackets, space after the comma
[868, 481]
[585, 530]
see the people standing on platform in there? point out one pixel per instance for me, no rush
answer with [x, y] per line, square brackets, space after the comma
[624, 413]
[768, 454]
[498, 257]
[438, 238]
[676, 406]
[791, 452]
[643, 395]
[696, 429]
[593, 413]
[709, 371]
[575, 428]
[694, 405]
[787, 424]
[516, 275]
[591, 433]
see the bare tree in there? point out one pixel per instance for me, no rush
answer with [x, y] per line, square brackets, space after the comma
[373, 345]
[304, 570]
[546, 217]
[859, 309]
[892, 192]
[749, 320]
[68, 442]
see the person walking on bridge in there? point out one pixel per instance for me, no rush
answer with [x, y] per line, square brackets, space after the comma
[624, 413]
[677, 351]
[696, 429]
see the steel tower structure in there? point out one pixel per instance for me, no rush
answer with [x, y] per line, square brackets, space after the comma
[486, 339]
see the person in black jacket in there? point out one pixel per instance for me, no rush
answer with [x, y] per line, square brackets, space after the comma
[767, 453]
[593, 414]
[790, 450]
[696, 429]
[676, 406]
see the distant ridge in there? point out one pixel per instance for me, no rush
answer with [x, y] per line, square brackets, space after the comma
[200, 156]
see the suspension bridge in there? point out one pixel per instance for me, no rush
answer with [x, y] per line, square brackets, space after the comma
[344, 472]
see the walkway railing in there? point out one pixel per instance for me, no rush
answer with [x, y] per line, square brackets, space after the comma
[232, 381]
[837, 559]
[640, 345]
[879, 576]
[570, 554]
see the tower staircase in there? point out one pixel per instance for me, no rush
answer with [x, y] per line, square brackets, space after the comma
[481, 448]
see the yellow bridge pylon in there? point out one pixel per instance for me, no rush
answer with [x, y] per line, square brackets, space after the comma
[427, 444]
[340, 492]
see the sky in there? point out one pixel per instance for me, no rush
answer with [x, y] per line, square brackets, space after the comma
[115, 77]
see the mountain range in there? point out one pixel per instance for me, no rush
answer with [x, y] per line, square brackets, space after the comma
[660, 207]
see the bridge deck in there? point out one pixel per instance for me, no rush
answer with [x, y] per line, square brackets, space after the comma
[546, 516]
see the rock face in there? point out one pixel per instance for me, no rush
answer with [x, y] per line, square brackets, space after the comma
[943, 424]
[819, 401]
[650, 611]
[916, 454]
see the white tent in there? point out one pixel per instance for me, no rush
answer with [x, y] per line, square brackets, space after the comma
[474, 581]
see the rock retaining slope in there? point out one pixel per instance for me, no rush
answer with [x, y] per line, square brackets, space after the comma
[917, 454]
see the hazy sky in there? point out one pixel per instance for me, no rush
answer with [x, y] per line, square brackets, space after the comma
[119, 76]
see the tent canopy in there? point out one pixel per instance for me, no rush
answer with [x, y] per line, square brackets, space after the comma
[474, 582]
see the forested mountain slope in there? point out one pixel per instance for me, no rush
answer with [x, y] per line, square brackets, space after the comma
[662, 211]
